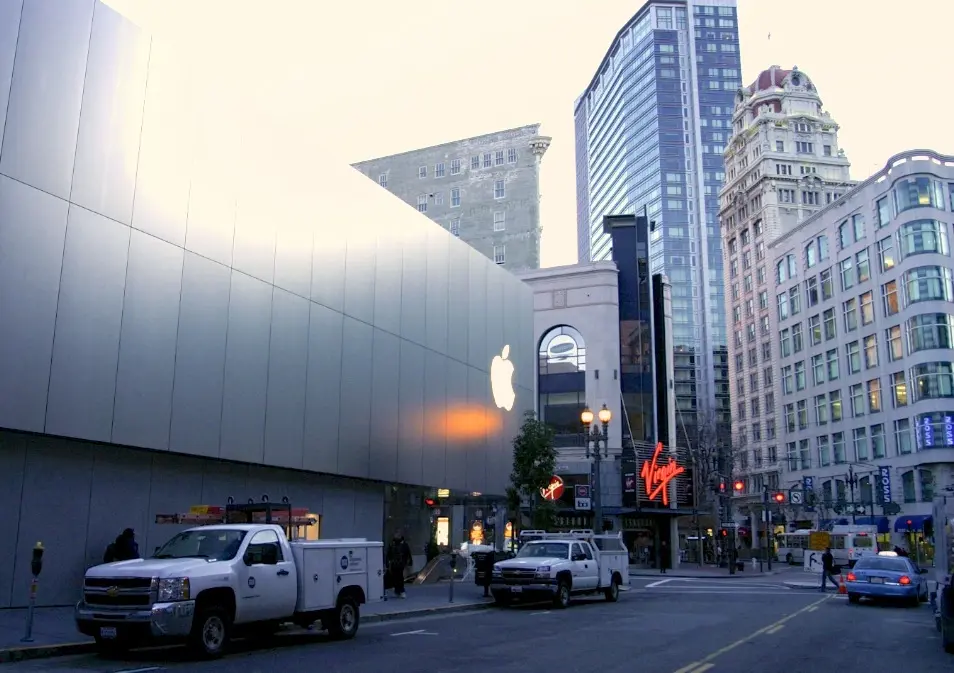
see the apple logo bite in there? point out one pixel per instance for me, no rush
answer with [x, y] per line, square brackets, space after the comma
[501, 380]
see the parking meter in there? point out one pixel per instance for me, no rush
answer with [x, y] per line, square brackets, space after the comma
[453, 561]
[36, 563]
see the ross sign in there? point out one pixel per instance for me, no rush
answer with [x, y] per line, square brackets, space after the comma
[554, 490]
[582, 497]
[795, 497]
[656, 477]
[884, 483]
[813, 562]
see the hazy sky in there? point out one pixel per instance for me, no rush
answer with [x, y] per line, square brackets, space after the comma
[366, 79]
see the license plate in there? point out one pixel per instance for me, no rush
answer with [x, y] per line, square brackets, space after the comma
[107, 632]
[876, 580]
[516, 590]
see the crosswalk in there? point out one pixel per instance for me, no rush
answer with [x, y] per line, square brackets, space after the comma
[705, 586]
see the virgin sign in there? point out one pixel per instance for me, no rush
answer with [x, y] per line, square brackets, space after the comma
[656, 477]
[554, 490]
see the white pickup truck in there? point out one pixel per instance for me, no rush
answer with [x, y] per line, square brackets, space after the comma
[211, 582]
[560, 565]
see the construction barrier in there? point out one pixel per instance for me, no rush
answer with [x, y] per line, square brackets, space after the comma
[842, 588]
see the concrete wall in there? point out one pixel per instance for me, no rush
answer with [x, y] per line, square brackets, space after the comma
[167, 281]
[76, 497]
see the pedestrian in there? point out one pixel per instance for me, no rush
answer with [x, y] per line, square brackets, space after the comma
[828, 570]
[124, 548]
[398, 560]
[663, 557]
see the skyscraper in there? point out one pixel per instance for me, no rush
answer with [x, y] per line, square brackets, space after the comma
[651, 128]
[485, 190]
[783, 165]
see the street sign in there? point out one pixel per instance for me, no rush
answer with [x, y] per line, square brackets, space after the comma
[582, 499]
[795, 497]
[812, 562]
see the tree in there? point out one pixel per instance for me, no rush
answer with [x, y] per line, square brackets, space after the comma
[713, 455]
[534, 461]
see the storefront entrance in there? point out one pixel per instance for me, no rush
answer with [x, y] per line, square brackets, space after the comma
[645, 536]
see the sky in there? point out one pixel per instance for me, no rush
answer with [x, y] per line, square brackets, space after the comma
[367, 79]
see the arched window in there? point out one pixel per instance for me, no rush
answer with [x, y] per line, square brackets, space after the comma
[562, 383]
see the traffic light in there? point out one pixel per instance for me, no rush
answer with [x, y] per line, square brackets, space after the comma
[779, 498]
[721, 487]
[430, 502]
[723, 532]
[739, 486]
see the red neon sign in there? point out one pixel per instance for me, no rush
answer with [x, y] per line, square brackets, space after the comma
[657, 477]
[554, 490]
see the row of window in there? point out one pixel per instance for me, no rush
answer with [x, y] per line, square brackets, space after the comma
[500, 192]
[489, 160]
[867, 484]
[499, 222]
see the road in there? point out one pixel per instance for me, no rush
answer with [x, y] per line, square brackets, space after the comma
[660, 626]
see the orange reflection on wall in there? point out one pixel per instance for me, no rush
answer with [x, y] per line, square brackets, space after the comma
[461, 422]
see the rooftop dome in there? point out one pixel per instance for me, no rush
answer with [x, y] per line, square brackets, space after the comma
[769, 79]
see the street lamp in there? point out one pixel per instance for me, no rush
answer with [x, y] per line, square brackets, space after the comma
[595, 434]
[852, 480]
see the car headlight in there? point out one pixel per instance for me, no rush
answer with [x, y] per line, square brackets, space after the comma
[497, 572]
[543, 571]
[174, 589]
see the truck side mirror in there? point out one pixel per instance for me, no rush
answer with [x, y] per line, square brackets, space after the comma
[248, 558]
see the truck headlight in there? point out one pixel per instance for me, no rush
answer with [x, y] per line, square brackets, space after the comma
[543, 571]
[174, 589]
[497, 572]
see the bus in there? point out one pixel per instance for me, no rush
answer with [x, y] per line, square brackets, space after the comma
[848, 544]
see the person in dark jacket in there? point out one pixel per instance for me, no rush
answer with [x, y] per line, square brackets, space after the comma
[828, 570]
[663, 557]
[125, 548]
[398, 560]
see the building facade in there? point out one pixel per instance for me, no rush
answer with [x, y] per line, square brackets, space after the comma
[867, 401]
[484, 190]
[783, 164]
[178, 326]
[651, 128]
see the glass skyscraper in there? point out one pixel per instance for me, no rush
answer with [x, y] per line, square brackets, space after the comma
[651, 130]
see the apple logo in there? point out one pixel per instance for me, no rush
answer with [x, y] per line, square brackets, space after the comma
[501, 380]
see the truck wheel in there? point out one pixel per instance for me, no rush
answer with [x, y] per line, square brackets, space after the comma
[210, 632]
[562, 598]
[612, 591]
[344, 620]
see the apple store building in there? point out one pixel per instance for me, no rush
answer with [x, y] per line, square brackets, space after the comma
[196, 307]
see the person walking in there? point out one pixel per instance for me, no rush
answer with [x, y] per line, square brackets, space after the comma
[124, 548]
[663, 557]
[398, 560]
[828, 570]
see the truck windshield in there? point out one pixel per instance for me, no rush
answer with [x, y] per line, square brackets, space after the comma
[544, 550]
[215, 544]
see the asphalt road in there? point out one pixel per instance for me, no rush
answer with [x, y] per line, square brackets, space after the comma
[661, 626]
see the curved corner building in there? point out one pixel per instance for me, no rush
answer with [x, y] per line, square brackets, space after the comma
[651, 128]
[188, 315]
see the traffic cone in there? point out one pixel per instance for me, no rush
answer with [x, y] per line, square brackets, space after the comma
[842, 589]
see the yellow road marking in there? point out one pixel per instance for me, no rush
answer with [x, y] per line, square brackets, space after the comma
[775, 629]
[705, 663]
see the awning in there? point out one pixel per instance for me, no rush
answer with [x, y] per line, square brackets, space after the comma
[880, 521]
[914, 522]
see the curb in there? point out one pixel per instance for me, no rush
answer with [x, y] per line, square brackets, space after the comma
[802, 585]
[30, 652]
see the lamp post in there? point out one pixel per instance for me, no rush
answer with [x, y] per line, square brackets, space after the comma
[595, 434]
[852, 480]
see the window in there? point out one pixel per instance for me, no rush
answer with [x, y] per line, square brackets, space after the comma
[930, 331]
[789, 413]
[821, 409]
[893, 339]
[824, 450]
[800, 381]
[811, 291]
[826, 150]
[923, 236]
[779, 145]
[474, 163]
[889, 298]
[500, 254]
[874, 395]
[383, 180]
[871, 351]
[928, 283]
[850, 312]
[863, 267]
[935, 430]
[455, 197]
[838, 447]
[917, 192]
[847, 277]
[826, 285]
[932, 381]
[858, 226]
[511, 156]
[439, 170]
[782, 300]
[264, 545]
[455, 226]
[867, 308]
[422, 172]
[811, 254]
[455, 167]
[886, 253]
[438, 198]
[856, 394]
[829, 324]
[763, 300]
[422, 203]
[902, 436]
[853, 351]
[488, 159]
[500, 220]
[498, 158]
[818, 369]
[860, 442]
[801, 411]
[787, 386]
[794, 300]
[804, 148]
[834, 402]
[798, 343]
[844, 235]
[499, 190]
[664, 18]
[877, 441]
[814, 330]
[899, 390]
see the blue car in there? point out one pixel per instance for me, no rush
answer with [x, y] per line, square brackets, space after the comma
[887, 577]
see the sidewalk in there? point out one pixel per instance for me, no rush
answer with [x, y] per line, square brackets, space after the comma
[54, 633]
[688, 570]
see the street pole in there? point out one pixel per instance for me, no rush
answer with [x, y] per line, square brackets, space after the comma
[695, 507]
[851, 487]
[594, 434]
[729, 519]
[597, 493]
